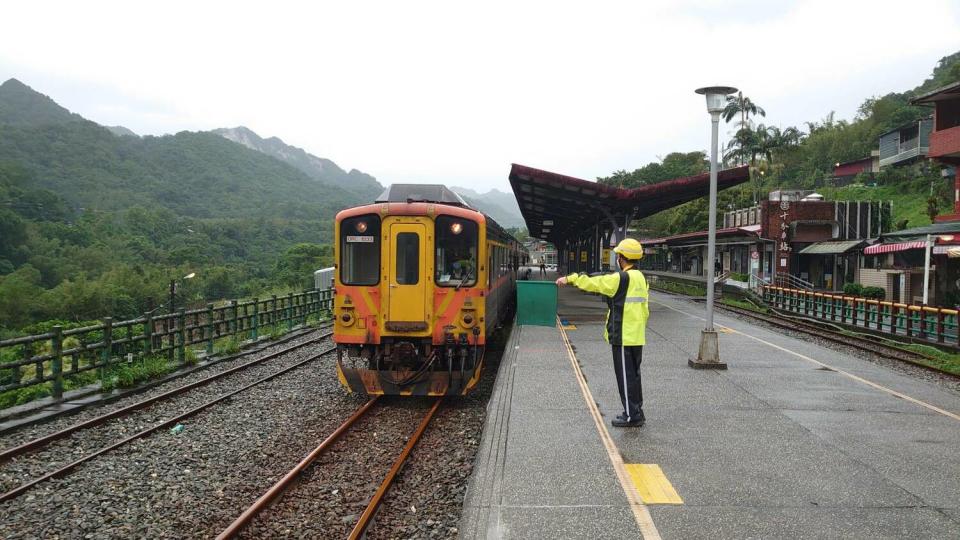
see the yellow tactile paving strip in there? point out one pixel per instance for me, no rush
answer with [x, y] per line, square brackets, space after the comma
[652, 484]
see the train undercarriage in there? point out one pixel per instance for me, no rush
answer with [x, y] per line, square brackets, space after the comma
[411, 366]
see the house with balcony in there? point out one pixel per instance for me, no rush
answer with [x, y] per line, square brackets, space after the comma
[944, 141]
[906, 144]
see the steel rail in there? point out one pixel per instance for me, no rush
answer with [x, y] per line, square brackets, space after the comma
[59, 473]
[361, 527]
[278, 488]
[39, 442]
[856, 342]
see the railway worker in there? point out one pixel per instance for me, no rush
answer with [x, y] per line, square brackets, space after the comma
[625, 330]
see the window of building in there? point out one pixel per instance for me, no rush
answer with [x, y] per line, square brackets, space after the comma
[360, 250]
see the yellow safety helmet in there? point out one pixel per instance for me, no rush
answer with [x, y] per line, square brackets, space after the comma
[630, 249]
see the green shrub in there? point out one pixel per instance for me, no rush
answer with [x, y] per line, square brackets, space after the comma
[132, 374]
[227, 345]
[739, 276]
[878, 293]
[20, 396]
[853, 289]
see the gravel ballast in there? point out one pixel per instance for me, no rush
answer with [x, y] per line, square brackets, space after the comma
[194, 483]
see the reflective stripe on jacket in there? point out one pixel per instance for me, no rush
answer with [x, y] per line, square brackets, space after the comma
[629, 306]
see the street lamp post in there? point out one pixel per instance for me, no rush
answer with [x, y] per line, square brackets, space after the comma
[173, 289]
[708, 356]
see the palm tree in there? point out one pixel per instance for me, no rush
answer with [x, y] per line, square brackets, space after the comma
[743, 106]
[749, 144]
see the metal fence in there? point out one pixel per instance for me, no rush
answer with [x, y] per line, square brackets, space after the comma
[926, 323]
[55, 355]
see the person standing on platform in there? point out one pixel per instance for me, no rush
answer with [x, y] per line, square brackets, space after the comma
[628, 300]
[543, 268]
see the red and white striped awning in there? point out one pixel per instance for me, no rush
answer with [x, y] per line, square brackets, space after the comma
[890, 248]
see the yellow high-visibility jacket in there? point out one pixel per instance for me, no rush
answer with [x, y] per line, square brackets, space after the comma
[629, 305]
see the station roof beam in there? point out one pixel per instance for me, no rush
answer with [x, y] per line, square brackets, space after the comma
[557, 207]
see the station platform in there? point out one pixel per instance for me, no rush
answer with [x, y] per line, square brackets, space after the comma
[792, 441]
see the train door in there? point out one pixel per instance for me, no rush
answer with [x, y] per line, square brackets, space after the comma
[407, 290]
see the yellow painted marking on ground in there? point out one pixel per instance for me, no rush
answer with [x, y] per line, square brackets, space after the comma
[569, 327]
[724, 330]
[652, 484]
[640, 512]
[857, 378]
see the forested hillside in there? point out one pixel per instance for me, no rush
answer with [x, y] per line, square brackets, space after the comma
[804, 157]
[502, 207]
[362, 185]
[95, 224]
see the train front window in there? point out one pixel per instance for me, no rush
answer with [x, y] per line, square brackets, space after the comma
[456, 260]
[360, 250]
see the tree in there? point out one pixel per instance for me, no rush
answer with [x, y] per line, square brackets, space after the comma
[674, 165]
[743, 106]
[296, 267]
[933, 208]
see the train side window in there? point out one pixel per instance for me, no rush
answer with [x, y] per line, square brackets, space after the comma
[360, 250]
[490, 270]
[456, 254]
[408, 258]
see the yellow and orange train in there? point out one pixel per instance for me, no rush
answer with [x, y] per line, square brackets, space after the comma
[422, 279]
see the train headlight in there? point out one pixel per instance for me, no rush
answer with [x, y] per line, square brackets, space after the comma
[361, 226]
[456, 227]
[347, 318]
[468, 319]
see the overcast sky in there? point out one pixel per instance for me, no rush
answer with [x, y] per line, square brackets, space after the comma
[453, 92]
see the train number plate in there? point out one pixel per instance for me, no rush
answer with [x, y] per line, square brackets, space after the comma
[360, 239]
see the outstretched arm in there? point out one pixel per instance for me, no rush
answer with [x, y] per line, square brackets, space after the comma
[606, 284]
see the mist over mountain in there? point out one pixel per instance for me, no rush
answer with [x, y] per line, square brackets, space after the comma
[501, 206]
[320, 169]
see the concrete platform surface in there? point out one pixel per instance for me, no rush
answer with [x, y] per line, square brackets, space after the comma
[792, 441]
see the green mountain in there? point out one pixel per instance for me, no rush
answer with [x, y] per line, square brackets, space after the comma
[320, 169]
[96, 221]
[502, 207]
[121, 131]
[192, 174]
[20, 105]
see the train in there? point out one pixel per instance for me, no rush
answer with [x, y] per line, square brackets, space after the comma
[421, 281]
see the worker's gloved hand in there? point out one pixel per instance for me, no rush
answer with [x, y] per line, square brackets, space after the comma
[561, 281]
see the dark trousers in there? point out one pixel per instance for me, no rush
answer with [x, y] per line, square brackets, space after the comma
[626, 364]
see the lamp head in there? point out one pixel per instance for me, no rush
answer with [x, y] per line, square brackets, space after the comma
[716, 97]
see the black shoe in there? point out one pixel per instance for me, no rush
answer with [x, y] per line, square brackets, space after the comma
[621, 421]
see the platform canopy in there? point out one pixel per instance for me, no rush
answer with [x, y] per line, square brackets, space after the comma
[557, 207]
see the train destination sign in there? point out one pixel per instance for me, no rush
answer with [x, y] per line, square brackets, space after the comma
[360, 239]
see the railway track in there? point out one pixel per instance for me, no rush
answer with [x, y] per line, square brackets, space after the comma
[149, 385]
[822, 331]
[62, 471]
[275, 493]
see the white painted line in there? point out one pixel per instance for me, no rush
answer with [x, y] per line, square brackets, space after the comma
[640, 512]
[838, 370]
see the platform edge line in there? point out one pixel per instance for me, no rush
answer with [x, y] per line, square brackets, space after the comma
[640, 511]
